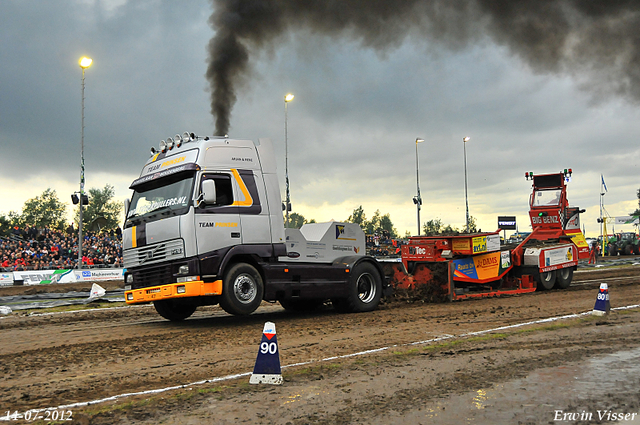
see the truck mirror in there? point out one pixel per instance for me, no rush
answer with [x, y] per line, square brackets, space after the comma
[209, 192]
[127, 204]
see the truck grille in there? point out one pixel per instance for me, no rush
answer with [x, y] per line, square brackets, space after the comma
[151, 254]
[152, 276]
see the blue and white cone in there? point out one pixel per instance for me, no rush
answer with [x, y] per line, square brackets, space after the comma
[267, 368]
[602, 306]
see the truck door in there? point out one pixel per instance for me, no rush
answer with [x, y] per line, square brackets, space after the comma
[217, 225]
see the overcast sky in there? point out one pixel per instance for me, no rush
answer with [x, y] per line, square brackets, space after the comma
[351, 127]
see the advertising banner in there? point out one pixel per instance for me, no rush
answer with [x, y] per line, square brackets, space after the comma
[6, 279]
[507, 222]
[626, 220]
[44, 277]
[482, 267]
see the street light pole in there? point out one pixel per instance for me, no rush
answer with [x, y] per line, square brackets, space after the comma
[466, 198]
[288, 98]
[417, 199]
[84, 64]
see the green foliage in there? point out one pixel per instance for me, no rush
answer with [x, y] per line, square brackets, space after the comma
[5, 225]
[296, 221]
[358, 217]
[45, 210]
[436, 227]
[377, 225]
[473, 226]
[101, 204]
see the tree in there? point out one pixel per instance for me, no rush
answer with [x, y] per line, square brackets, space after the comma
[101, 204]
[296, 221]
[380, 224]
[45, 210]
[436, 227]
[386, 225]
[358, 217]
[473, 226]
[5, 225]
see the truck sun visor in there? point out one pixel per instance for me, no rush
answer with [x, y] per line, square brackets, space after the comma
[164, 173]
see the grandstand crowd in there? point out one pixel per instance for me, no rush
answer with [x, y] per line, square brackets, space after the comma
[31, 248]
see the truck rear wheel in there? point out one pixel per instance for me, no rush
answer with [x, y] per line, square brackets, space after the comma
[628, 250]
[564, 277]
[545, 280]
[174, 310]
[365, 290]
[242, 290]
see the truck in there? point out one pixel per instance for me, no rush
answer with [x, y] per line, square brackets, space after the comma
[471, 265]
[204, 226]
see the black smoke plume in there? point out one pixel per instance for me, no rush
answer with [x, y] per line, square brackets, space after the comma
[595, 41]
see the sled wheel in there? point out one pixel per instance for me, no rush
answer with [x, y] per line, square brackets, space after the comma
[545, 280]
[564, 277]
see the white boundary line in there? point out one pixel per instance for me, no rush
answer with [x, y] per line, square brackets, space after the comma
[326, 359]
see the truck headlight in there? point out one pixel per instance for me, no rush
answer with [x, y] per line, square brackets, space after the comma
[129, 297]
[129, 278]
[181, 289]
[183, 269]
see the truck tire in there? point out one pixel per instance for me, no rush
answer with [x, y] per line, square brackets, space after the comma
[174, 310]
[628, 250]
[612, 250]
[301, 305]
[365, 290]
[564, 278]
[545, 280]
[636, 249]
[242, 290]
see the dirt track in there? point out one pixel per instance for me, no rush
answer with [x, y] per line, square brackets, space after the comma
[51, 360]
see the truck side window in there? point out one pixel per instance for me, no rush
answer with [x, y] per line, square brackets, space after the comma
[224, 191]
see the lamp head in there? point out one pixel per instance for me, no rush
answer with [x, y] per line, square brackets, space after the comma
[419, 140]
[466, 139]
[289, 97]
[85, 62]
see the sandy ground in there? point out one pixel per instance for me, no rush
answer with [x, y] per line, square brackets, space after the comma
[47, 360]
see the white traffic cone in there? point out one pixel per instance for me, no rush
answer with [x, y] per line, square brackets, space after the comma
[602, 306]
[267, 368]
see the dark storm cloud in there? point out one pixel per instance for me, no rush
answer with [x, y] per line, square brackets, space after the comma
[595, 41]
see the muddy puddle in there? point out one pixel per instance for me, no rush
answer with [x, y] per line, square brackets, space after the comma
[597, 390]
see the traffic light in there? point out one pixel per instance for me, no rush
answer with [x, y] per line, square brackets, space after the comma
[599, 220]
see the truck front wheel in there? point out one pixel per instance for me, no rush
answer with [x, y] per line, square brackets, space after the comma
[365, 290]
[564, 277]
[242, 290]
[545, 280]
[174, 310]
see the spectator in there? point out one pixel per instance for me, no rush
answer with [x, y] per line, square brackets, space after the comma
[38, 249]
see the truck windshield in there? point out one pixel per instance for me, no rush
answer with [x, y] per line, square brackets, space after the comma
[171, 193]
[546, 198]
